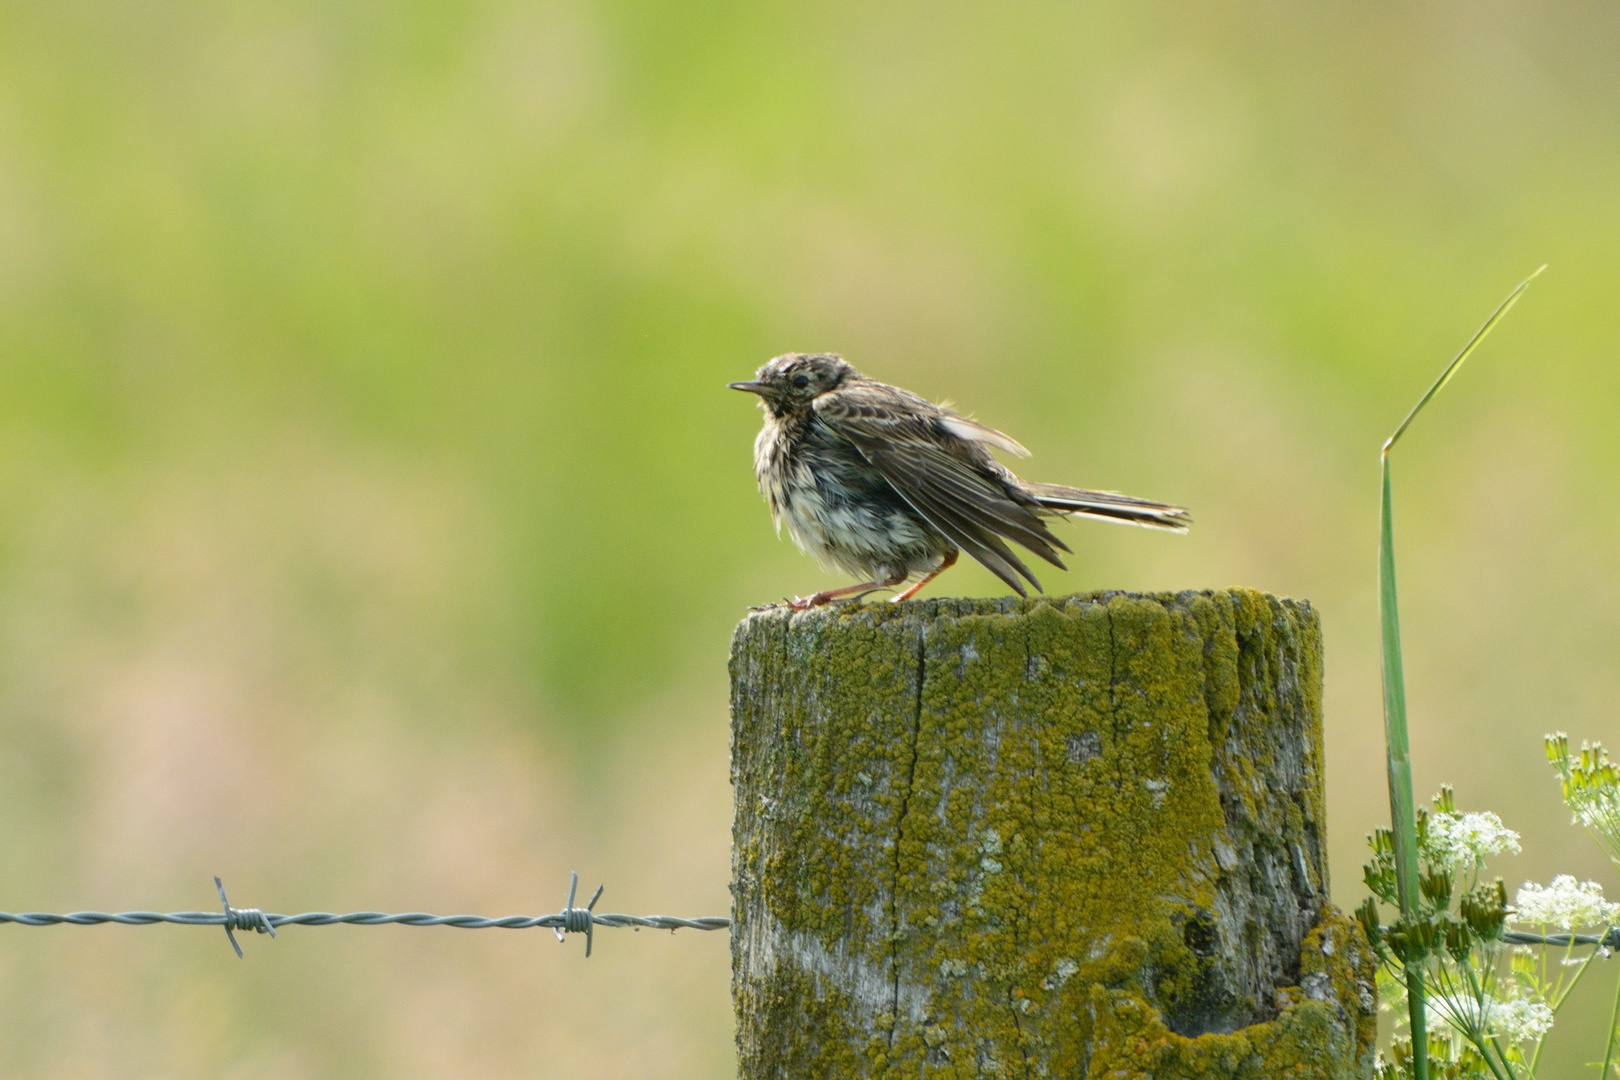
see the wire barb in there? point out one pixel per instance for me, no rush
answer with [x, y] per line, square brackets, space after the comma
[579, 920]
[243, 919]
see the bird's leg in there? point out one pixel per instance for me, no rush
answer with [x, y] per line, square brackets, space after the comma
[944, 564]
[802, 603]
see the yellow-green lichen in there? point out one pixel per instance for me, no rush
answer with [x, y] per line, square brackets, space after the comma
[959, 822]
[1324, 1031]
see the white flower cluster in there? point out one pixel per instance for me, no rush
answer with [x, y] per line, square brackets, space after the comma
[1516, 1020]
[1563, 904]
[1456, 840]
[1519, 1020]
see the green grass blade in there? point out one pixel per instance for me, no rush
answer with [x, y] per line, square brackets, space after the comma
[1473, 343]
[1402, 813]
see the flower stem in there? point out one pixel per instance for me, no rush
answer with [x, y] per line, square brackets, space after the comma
[1614, 1019]
[1561, 993]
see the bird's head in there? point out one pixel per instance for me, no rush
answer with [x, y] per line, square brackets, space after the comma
[790, 383]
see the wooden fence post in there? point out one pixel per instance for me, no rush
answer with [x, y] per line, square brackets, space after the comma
[1068, 837]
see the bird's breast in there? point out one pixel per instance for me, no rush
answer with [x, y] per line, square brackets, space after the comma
[835, 504]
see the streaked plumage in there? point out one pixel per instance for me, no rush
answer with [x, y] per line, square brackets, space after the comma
[876, 481]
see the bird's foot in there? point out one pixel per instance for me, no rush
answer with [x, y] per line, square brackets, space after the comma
[821, 599]
[847, 594]
[792, 603]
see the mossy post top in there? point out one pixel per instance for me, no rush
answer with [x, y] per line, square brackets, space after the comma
[1065, 836]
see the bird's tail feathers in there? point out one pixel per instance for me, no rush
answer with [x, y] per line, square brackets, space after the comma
[1111, 506]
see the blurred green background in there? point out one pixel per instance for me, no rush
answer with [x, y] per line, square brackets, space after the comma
[375, 516]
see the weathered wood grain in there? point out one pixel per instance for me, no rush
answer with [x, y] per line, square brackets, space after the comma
[1060, 837]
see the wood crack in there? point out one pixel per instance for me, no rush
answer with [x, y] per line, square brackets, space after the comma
[900, 828]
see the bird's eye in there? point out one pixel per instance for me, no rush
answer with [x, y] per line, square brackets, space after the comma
[801, 381]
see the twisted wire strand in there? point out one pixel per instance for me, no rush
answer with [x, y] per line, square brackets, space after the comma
[559, 921]
[1562, 941]
[570, 920]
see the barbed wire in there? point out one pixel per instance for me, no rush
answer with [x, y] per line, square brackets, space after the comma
[570, 920]
[1609, 940]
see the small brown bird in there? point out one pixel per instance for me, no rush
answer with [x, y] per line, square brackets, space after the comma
[876, 481]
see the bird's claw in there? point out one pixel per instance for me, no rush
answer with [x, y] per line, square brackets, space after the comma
[794, 603]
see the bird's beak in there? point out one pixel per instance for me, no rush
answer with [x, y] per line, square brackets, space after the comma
[750, 387]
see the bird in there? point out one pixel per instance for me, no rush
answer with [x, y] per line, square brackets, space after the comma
[884, 485]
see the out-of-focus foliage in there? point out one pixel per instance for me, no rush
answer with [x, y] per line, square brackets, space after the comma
[373, 516]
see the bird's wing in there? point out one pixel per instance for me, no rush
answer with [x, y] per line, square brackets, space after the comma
[954, 484]
[973, 431]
